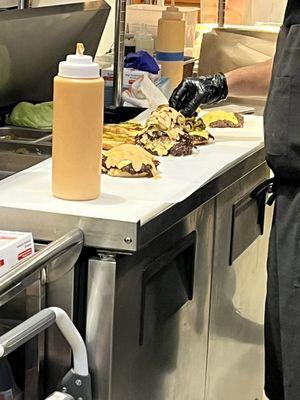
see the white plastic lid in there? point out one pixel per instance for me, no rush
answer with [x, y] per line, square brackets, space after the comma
[79, 65]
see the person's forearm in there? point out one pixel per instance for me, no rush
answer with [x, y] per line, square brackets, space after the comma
[253, 80]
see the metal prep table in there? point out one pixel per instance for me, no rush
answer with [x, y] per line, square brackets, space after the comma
[169, 297]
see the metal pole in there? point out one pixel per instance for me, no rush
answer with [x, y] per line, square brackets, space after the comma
[120, 21]
[221, 12]
[21, 4]
[24, 4]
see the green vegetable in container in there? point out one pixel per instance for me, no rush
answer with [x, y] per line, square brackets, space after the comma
[37, 116]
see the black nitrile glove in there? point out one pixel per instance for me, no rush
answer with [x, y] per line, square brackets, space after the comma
[192, 92]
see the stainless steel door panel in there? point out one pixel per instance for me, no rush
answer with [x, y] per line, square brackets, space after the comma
[171, 363]
[245, 227]
[99, 328]
[235, 361]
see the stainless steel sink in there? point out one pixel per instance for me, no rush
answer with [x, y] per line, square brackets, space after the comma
[24, 135]
[15, 157]
[5, 174]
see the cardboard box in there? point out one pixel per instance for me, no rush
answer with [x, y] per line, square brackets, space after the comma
[14, 247]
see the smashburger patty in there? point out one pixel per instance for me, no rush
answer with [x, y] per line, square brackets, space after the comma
[146, 170]
[129, 161]
[168, 132]
[228, 124]
[160, 140]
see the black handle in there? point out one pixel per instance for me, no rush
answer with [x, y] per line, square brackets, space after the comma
[166, 264]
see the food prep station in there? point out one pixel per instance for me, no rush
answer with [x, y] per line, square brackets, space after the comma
[158, 287]
[164, 279]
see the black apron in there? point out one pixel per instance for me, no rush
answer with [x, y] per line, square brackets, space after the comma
[282, 138]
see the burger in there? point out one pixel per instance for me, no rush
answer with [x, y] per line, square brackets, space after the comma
[168, 132]
[129, 161]
[161, 143]
[197, 129]
[223, 119]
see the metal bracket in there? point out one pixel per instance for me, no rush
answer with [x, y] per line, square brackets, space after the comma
[59, 396]
[79, 386]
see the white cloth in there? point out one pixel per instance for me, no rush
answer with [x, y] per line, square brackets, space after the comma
[143, 93]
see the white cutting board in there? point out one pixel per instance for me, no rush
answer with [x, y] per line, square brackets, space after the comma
[134, 200]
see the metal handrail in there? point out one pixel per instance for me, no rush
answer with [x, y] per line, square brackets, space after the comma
[27, 330]
[38, 323]
[37, 261]
[77, 381]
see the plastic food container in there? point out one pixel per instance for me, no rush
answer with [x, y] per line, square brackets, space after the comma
[150, 14]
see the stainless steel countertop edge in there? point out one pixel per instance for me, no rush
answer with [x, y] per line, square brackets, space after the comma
[171, 215]
[120, 236]
[46, 226]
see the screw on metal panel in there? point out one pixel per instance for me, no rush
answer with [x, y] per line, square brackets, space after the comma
[64, 390]
[78, 382]
[128, 240]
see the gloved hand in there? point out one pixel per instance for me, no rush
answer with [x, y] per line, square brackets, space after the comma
[192, 92]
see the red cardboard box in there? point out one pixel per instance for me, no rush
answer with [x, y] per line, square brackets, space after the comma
[14, 247]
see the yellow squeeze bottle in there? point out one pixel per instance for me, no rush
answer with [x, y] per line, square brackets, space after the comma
[78, 105]
[170, 44]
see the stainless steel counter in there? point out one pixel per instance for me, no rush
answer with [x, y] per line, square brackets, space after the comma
[183, 315]
[113, 222]
[159, 293]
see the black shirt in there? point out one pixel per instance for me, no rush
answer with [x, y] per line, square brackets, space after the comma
[292, 14]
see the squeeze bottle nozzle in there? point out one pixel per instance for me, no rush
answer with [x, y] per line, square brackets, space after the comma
[172, 12]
